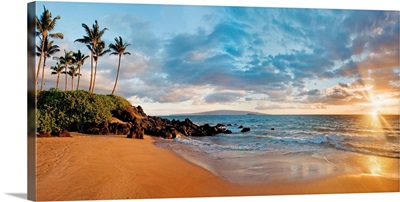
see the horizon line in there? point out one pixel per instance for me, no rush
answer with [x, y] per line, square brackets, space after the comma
[261, 114]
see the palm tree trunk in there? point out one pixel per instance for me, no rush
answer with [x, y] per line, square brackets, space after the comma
[79, 77]
[44, 65]
[72, 83]
[40, 62]
[95, 72]
[58, 80]
[91, 71]
[66, 78]
[116, 79]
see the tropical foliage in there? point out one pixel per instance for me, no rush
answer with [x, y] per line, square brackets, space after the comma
[44, 25]
[48, 50]
[118, 49]
[98, 51]
[73, 72]
[66, 60]
[92, 39]
[57, 71]
[79, 61]
[71, 62]
[59, 110]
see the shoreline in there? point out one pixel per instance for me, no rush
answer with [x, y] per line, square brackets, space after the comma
[115, 167]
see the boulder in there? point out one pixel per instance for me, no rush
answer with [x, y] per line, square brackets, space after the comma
[125, 115]
[90, 128]
[245, 130]
[43, 134]
[221, 126]
[93, 131]
[140, 111]
[123, 129]
[104, 128]
[136, 132]
[64, 133]
[128, 114]
[240, 126]
[227, 132]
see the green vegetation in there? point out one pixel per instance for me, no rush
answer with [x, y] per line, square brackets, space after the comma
[71, 63]
[58, 110]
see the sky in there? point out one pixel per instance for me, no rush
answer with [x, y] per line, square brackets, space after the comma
[187, 59]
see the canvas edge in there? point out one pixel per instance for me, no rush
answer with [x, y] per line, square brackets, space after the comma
[31, 96]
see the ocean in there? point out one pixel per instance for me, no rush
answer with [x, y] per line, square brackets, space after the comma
[293, 147]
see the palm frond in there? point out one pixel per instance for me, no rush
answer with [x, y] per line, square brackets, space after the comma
[119, 46]
[57, 35]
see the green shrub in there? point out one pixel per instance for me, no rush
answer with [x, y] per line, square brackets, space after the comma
[58, 110]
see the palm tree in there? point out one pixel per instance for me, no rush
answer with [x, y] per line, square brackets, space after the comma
[57, 70]
[91, 40]
[80, 60]
[73, 73]
[118, 49]
[66, 60]
[98, 51]
[44, 25]
[49, 49]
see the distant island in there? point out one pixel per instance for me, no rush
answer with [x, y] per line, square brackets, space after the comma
[220, 112]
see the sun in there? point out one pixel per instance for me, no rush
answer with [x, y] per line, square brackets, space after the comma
[375, 107]
[377, 104]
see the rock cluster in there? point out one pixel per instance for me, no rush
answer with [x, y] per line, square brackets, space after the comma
[134, 123]
[62, 133]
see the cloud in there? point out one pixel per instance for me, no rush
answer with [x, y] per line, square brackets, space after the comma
[135, 30]
[267, 105]
[340, 94]
[242, 53]
[310, 92]
[231, 54]
[223, 97]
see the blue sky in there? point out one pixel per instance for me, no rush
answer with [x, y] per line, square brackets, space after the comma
[270, 60]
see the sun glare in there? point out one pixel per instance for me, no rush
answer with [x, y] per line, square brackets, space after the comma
[375, 107]
[375, 167]
[377, 104]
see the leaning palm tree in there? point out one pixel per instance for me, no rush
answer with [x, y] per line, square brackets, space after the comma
[49, 49]
[57, 70]
[118, 49]
[91, 40]
[44, 25]
[79, 60]
[66, 60]
[98, 51]
[73, 72]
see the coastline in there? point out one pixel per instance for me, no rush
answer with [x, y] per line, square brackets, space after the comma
[114, 167]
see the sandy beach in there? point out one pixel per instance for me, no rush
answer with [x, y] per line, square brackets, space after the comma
[113, 167]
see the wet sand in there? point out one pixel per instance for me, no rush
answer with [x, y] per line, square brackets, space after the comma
[87, 167]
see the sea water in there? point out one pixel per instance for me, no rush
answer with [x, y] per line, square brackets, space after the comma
[293, 147]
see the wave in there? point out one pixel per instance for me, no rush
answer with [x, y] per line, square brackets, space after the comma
[391, 151]
[268, 142]
[207, 147]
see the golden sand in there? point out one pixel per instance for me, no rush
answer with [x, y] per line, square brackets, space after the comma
[87, 167]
